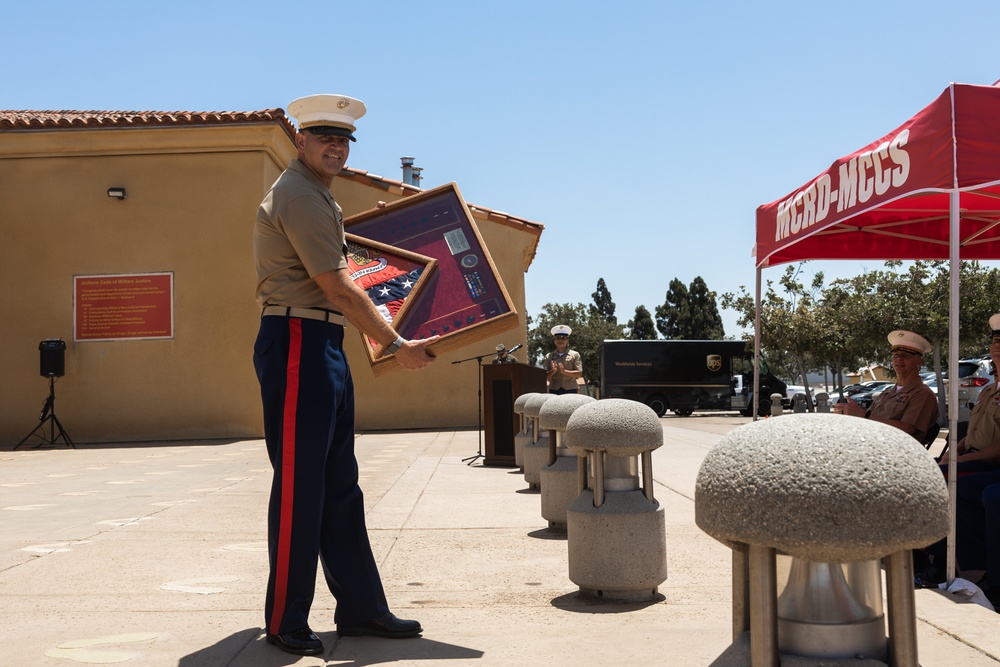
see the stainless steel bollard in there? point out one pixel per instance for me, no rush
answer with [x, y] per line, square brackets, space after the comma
[810, 499]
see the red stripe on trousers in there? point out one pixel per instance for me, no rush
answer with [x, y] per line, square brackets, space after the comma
[287, 471]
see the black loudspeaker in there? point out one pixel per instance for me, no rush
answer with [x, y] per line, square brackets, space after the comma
[52, 357]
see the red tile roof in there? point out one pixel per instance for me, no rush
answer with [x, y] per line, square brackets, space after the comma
[49, 120]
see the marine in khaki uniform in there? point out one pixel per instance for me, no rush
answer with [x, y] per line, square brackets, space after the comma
[909, 405]
[979, 450]
[316, 510]
[563, 366]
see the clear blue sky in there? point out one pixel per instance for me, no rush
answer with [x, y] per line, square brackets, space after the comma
[643, 135]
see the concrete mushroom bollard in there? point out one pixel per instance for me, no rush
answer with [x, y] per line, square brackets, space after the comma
[524, 433]
[616, 530]
[559, 474]
[536, 450]
[799, 403]
[822, 402]
[830, 493]
[776, 408]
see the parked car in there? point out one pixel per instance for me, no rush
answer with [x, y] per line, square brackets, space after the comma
[878, 390]
[853, 389]
[866, 396]
[973, 375]
[792, 389]
[836, 395]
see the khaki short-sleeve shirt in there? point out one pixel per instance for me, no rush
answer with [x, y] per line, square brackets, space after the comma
[299, 234]
[984, 420]
[915, 404]
[571, 361]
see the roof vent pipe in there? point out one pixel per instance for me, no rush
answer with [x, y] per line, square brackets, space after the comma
[411, 174]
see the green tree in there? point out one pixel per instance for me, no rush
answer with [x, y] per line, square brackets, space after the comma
[916, 297]
[540, 340]
[705, 322]
[845, 325]
[847, 336]
[590, 330]
[603, 307]
[928, 283]
[672, 315]
[641, 327]
[789, 324]
[979, 288]
[689, 312]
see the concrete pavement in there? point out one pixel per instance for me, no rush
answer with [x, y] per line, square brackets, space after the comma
[155, 555]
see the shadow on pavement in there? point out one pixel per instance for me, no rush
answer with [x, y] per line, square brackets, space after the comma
[577, 603]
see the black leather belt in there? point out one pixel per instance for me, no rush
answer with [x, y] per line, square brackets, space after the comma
[331, 316]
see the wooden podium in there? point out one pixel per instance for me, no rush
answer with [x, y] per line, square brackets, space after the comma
[502, 384]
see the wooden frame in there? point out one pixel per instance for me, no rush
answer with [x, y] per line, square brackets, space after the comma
[464, 299]
[393, 279]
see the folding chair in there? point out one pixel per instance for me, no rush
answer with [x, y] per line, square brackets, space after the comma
[931, 436]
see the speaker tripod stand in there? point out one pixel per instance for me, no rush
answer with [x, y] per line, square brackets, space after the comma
[479, 369]
[48, 416]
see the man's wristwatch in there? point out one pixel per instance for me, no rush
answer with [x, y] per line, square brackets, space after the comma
[393, 348]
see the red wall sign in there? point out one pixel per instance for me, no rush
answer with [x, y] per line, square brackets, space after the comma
[123, 307]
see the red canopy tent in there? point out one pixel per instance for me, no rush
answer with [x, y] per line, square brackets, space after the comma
[930, 189]
[891, 199]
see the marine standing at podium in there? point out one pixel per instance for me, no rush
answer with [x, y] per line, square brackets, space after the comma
[562, 367]
[316, 508]
[504, 355]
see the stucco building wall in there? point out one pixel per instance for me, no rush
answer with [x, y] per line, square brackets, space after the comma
[192, 194]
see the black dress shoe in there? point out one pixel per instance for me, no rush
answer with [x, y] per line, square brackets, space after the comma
[300, 642]
[383, 626]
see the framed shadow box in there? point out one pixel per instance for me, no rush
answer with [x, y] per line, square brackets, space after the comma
[392, 278]
[464, 299]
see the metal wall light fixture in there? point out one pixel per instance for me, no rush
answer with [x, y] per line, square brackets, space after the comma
[117, 193]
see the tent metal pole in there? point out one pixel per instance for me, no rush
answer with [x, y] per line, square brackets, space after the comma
[953, 319]
[756, 347]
